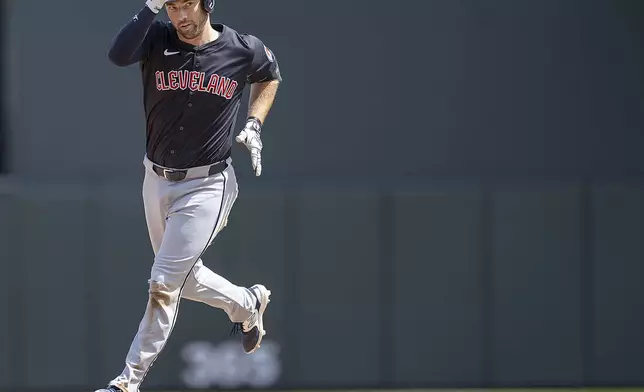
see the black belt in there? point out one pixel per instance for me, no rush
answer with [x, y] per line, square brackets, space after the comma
[181, 174]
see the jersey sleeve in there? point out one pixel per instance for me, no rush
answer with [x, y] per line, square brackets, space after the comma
[133, 41]
[264, 66]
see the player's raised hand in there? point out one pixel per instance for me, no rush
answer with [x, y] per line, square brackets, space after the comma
[250, 137]
[155, 5]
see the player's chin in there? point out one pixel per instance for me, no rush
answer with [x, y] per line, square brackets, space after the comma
[189, 33]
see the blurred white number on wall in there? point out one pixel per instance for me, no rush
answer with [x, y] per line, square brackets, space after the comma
[225, 365]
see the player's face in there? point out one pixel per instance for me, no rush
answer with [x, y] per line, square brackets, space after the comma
[188, 17]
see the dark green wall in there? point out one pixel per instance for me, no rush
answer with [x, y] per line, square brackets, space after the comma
[440, 286]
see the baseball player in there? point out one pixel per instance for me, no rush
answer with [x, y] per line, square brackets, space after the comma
[193, 74]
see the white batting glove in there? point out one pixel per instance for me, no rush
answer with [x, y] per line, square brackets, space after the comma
[155, 5]
[250, 137]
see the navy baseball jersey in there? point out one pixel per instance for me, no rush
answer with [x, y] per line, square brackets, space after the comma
[192, 94]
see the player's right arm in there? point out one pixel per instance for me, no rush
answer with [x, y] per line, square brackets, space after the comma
[132, 43]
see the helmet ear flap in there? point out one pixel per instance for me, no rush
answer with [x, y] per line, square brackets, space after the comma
[208, 5]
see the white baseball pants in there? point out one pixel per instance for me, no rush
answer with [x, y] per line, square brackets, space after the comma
[183, 218]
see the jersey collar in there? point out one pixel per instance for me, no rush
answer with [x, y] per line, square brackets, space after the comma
[223, 30]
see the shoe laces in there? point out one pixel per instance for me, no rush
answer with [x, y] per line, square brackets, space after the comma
[245, 326]
[237, 327]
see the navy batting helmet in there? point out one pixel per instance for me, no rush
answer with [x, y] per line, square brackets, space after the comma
[208, 5]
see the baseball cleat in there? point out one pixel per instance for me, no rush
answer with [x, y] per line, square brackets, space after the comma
[110, 388]
[253, 328]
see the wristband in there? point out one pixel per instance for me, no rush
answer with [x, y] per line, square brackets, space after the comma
[254, 123]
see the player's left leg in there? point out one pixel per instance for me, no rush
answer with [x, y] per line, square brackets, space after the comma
[206, 286]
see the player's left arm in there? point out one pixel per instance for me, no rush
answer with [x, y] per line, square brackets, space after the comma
[264, 78]
[260, 101]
